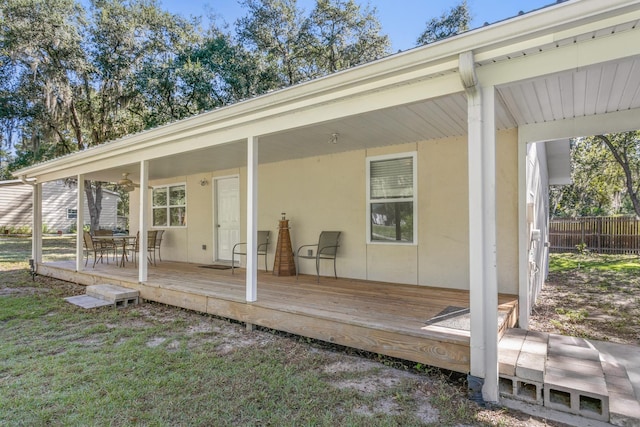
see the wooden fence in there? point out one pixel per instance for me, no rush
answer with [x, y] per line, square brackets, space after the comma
[605, 235]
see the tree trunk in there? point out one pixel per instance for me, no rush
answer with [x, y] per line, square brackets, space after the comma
[94, 202]
[626, 167]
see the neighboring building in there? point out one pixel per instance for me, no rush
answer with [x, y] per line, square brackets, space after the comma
[59, 206]
[433, 162]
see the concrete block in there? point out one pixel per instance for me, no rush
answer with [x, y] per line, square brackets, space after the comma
[515, 333]
[538, 336]
[576, 396]
[507, 360]
[612, 368]
[534, 346]
[526, 391]
[507, 385]
[575, 352]
[576, 379]
[555, 340]
[620, 386]
[585, 368]
[111, 292]
[624, 411]
[530, 367]
[529, 391]
[511, 342]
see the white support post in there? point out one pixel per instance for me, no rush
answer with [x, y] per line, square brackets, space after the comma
[36, 238]
[144, 221]
[80, 224]
[483, 282]
[524, 293]
[252, 219]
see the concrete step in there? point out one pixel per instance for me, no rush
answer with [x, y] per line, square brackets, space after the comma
[566, 374]
[117, 295]
[104, 295]
[624, 408]
[574, 379]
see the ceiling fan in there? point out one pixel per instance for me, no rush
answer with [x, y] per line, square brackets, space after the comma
[126, 184]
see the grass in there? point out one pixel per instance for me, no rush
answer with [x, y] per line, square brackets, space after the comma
[158, 365]
[600, 263]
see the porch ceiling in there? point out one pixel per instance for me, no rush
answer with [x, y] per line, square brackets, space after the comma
[598, 89]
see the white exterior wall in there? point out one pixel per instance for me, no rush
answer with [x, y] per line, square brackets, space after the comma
[328, 193]
[16, 204]
[537, 219]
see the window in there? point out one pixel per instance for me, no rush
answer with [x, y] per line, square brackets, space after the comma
[169, 205]
[391, 198]
[72, 213]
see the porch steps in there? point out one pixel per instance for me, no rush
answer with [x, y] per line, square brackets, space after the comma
[104, 295]
[566, 374]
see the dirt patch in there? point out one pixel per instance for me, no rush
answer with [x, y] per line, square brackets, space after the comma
[590, 303]
[21, 291]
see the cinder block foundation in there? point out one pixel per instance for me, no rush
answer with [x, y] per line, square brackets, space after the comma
[515, 388]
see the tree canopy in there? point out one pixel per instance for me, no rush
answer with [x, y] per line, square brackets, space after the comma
[73, 76]
[605, 175]
[455, 21]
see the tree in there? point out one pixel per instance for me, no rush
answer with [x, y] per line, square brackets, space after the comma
[605, 177]
[72, 83]
[338, 34]
[343, 35]
[625, 149]
[276, 29]
[450, 23]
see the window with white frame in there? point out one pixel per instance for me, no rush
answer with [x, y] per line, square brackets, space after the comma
[169, 206]
[391, 198]
[72, 213]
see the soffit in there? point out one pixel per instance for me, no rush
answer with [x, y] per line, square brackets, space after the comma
[594, 89]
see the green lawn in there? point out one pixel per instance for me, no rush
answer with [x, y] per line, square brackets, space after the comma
[622, 263]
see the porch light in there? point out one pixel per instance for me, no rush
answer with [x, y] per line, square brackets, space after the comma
[333, 139]
[204, 182]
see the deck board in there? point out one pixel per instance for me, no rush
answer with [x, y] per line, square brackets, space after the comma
[385, 318]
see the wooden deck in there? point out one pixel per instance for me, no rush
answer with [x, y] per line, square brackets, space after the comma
[385, 318]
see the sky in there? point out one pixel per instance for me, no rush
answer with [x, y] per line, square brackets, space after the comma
[402, 20]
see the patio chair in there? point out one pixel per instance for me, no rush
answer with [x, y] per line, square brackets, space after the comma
[91, 246]
[151, 243]
[240, 249]
[107, 244]
[326, 248]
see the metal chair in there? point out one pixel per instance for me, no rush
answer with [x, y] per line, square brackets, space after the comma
[263, 245]
[91, 246]
[156, 246]
[326, 248]
[110, 244]
[151, 243]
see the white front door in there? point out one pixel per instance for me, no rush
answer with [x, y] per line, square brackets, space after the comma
[227, 216]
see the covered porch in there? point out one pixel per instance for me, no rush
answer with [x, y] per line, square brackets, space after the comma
[386, 318]
[463, 110]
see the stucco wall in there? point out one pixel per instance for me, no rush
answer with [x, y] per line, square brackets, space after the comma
[328, 193]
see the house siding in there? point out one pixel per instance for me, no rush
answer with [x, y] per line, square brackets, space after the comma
[328, 193]
[537, 219]
[16, 203]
